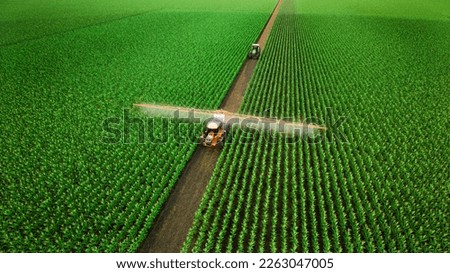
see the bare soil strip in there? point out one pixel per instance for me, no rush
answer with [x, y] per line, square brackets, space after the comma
[268, 28]
[172, 225]
[233, 100]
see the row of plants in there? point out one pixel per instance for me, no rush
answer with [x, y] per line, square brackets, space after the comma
[378, 182]
[66, 189]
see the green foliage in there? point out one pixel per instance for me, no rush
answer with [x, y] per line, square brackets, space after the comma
[386, 190]
[431, 9]
[63, 188]
[31, 19]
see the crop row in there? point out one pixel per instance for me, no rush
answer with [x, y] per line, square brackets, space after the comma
[375, 181]
[64, 189]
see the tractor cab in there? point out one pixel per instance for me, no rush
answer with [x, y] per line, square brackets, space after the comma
[214, 134]
[255, 51]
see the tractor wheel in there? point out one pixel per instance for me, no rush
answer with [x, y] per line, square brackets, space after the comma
[224, 136]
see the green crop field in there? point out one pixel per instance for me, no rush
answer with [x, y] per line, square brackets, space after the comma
[79, 173]
[380, 186]
[67, 66]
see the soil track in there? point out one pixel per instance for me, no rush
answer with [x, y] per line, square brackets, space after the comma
[172, 225]
[233, 100]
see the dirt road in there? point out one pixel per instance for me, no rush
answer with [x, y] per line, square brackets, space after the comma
[172, 226]
[233, 100]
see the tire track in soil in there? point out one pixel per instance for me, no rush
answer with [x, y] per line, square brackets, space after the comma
[173, 223]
